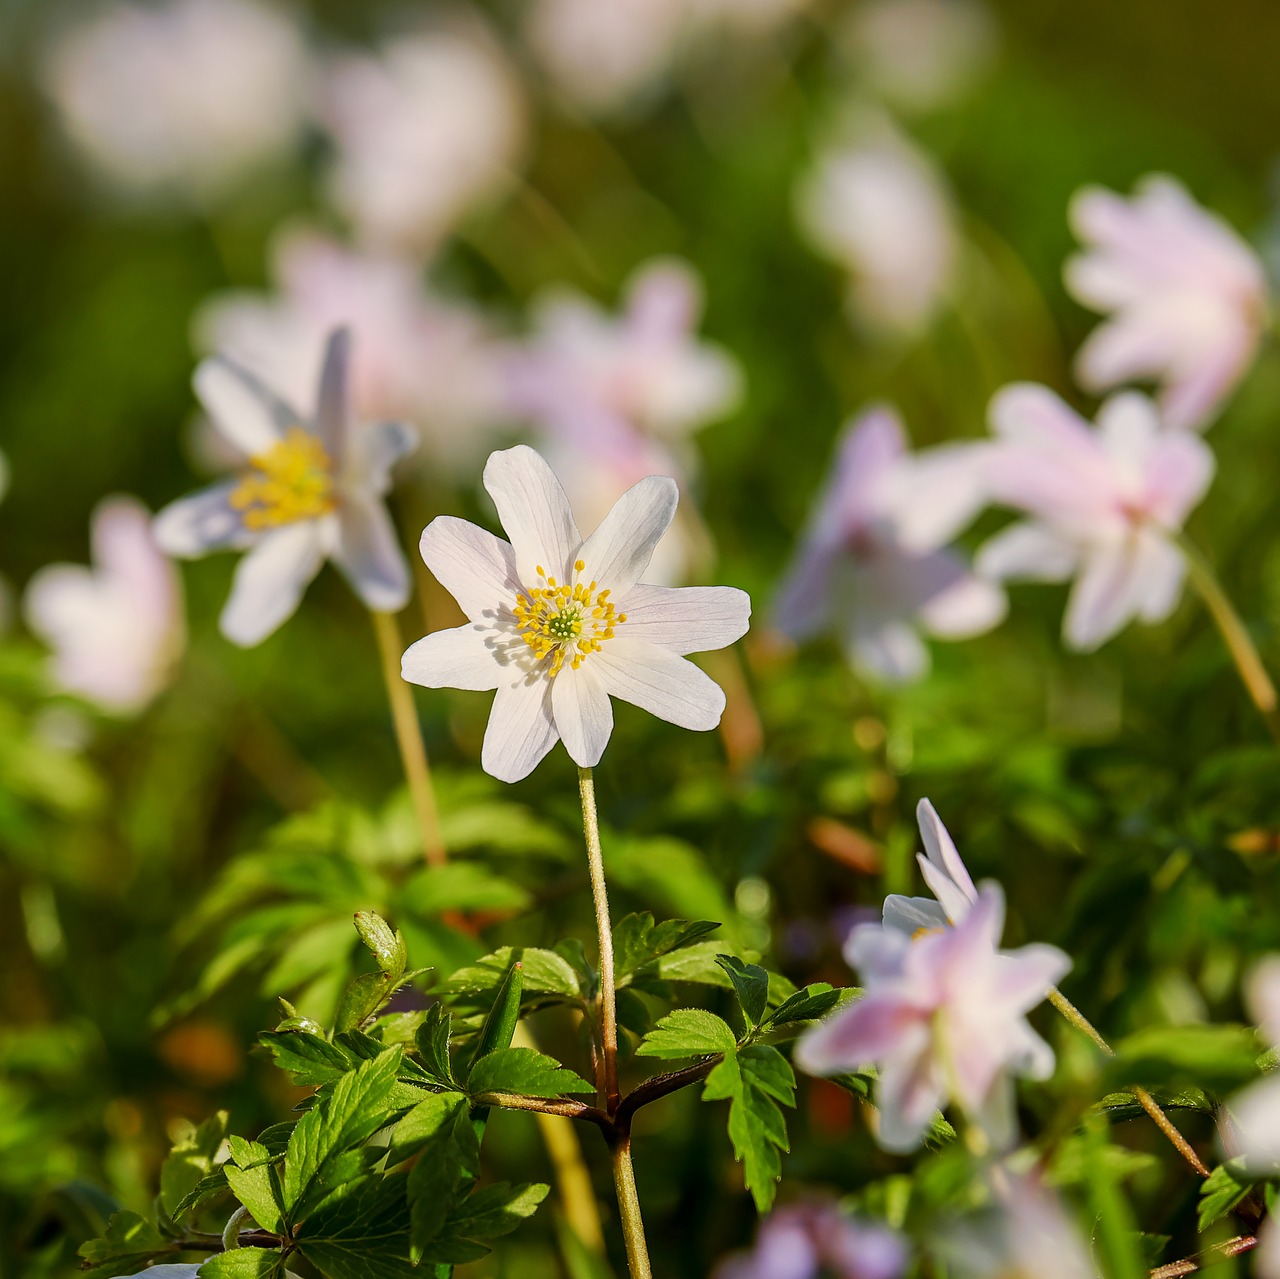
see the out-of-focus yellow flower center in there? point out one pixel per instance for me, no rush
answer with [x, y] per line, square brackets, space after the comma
[563, 622]
[291, 481]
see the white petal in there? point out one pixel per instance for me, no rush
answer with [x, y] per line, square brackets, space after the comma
[476, 568]
[583, 713]
[333, 404]
[1107, 594]
[910, 914]
[369, 555]
[464, 657]
[372, 452]
[521, 730]
[1027, 550]
[891, 650]
[202, 522]
[686, 619]
[969, 607]
[660, 682]
[534, 511]
[936, 494]
[243, 408]
[941, 849]
[270, 580]
[619, 551]
[1163, 568]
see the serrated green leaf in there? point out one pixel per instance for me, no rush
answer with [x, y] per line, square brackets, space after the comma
[243, 1263]
[697, 963]
[440, 1178]
[526, 1072]
[638, 941]
[128, 1243]
[361, 1233]
[750, 985]
[214, 1184]
[309, 1059]
[351, 1113]
[423, 1124]
[810, 1004]
[256, 1188]
[363, 995]
[1222, 1190]
[496, 1210]
[545, 973]
[432, 1041]
[688, 1032]
[190, 1161]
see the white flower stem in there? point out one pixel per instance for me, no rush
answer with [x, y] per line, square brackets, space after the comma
[413, 752]
[1144, 1098]
[624, 1177]
[1234, 634]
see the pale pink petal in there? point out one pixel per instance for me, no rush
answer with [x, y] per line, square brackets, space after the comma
[866, 1031]
[333, 407]
[660, 682]
[937, 494]
[971, 606]
[1127, 348]
[464, 657]
[583, 714]
[521, 729]
[909, 1093]
[269, 582]
[1028, 550]
[686, 619]
[1179, 474]
[804, 601]
[243, 408]
[534, 511]
[1162, 571]
[891, 650]
[1263, 992]
[1106, 595]
[1256, 1112]
[1023, 978]
[941, 851]
[367, 551]
[1190, 400]
[618, 552]
[202, 522]
[476, 568]
[910, 915]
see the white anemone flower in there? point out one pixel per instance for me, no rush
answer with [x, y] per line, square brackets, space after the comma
[557, 624]
[944, 872]
[116, 629]
[312, 489]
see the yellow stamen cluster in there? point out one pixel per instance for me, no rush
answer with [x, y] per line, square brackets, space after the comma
[564, 622]
[291, 481]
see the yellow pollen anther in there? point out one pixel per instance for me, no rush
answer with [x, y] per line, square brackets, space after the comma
[289, 482]
[562, 622]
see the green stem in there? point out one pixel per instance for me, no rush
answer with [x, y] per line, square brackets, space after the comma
[624, 1181]
[1145, 1099]
[1235, 635]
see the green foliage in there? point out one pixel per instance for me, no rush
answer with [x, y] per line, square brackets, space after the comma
[129, 1243]
[524, 1071]
[1227, 1186]
[688, 1032]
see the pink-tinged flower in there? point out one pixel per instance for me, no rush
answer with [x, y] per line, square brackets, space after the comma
[557, 624]
[808, 1240]
[116, 629]
[1106, 505]
[186, 96]
[1186, 295]
[946, 875]
[415, 356]
[425, 131]
[585, 372]
[871, 566]
[880, 208]
[313, 488]
[943, 1017]
[920, 55]
[1026, 1233]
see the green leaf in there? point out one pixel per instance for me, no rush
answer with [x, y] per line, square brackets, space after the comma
[257, 1190]
[387, 945]
[688, 1032]
[306, 1057]
[524, 1071]
[432, 1042]
[440, 1177]
[129, 1243]
[637, 941]
[698, 963]
[754, 1082]
[460, 885]
[361, 1233]
[243, 1263]
[500, 1025]
[750, 985]
[810, 1004]
[1222, 1190]
[363, 996]
[1218, 1058]
[545, 973]
[190, 1161]
[486, 1214]
[1116, 1235]
[423, 1124]
[351, 1113]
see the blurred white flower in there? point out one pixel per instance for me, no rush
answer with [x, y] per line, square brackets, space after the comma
[919, 55]
[613, 398]
[1027, 1233]
[946, 875]
[602, 56]
[1186, 295]
[1106, 505]
[943, 1017]
[425, 130]
[184, 97]
[415, 356]
[879, 206]
[871, 565]
[557, 624]
[313, 488]
[116, 629]
[807, 1240]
